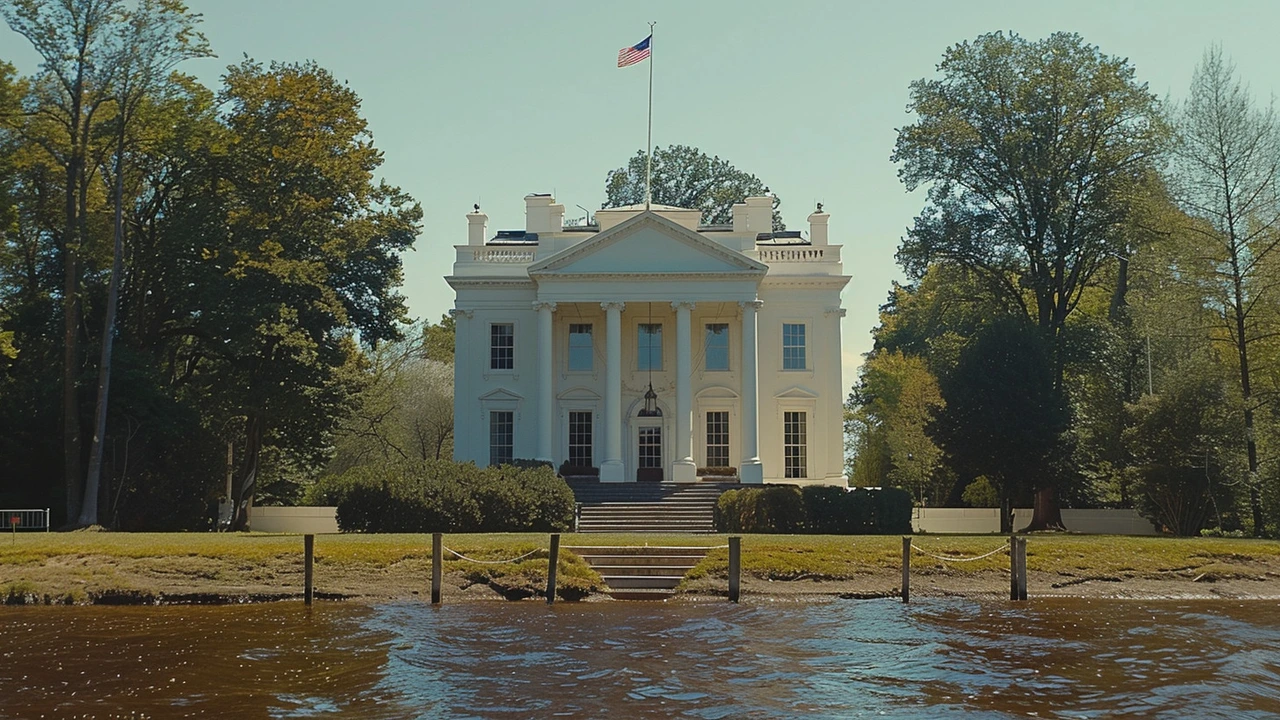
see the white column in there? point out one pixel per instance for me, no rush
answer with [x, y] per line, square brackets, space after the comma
[611, 470]
[835, 471]
[752, 470]
[546, 380]
[464, 396]
[684, 469]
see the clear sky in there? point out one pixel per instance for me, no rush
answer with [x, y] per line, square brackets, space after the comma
[486, 101]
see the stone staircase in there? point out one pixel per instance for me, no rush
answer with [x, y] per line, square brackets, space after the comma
[640, 573]
[647, 507]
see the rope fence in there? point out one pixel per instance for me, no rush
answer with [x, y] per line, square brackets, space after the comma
[953, 558]
[493, 562]
[1017, 549]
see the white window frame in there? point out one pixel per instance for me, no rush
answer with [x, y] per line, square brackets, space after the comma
[805, 348]
[489, 426]
[728, 347]
[662, 347]
[568, 346]
[568, 432]
[706, 436]
[806, 447]
[489, 370]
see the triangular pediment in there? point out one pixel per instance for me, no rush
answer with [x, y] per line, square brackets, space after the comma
[501, 395]
[795, 392]
[647, 244]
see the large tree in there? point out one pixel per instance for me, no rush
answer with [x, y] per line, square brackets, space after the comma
[1227, 180]
[312, 258]
[149, 41]
[1003, 415]
[68, 96]
[686, 177]
[1033, 154]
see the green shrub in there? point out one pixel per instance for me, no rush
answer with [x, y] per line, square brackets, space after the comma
[815, 509]
[444, 496]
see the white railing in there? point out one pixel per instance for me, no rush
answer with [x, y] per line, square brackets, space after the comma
[501, 255]
[791, 254]
[26, 519]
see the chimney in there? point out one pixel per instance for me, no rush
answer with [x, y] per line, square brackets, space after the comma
[542, 214]
[477, 224]
[760, 214]
[740, 217]
[818, 227]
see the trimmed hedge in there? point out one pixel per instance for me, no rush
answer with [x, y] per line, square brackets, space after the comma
[444, 496]
[820, 510]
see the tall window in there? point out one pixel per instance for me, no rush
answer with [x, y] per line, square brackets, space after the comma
[718, 439]
[581, 351]
[580, 438]
[793, 346]
[794, 447]
[717, 353]
[649, 347]
[502, 346]
[501, 436]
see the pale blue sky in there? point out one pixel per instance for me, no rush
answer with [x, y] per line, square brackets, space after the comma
[488, 101]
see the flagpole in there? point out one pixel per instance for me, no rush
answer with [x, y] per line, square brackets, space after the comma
[648, 165]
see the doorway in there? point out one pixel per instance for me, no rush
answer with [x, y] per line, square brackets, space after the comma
[649, 458]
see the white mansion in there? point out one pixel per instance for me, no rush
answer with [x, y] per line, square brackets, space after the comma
[651, 347]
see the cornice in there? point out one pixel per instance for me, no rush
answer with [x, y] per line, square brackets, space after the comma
[648, 277]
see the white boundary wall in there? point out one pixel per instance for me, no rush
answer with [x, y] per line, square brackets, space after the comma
[987, 520]
[313, 519]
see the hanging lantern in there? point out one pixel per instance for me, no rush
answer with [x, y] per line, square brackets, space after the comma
[650, 404]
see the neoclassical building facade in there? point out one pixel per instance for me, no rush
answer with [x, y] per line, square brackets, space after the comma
[651, 347]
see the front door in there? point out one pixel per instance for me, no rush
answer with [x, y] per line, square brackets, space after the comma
[649, 443]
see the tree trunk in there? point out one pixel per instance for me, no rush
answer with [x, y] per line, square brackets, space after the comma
[1006, 515]
[248, 476]
[70, 353]
[89, 510]
[1046, 515]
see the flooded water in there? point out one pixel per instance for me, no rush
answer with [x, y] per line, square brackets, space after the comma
[931, 659]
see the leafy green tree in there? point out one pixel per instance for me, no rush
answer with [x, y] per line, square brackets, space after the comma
[1003, 414]
[310, 258]
[74, 85]
[1033, 153]
[150, 40]
[898, 398]
[1227, 179]
[686, 177]
[1176, 439]
[438, 340]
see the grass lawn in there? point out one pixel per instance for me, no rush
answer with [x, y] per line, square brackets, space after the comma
[155, 561]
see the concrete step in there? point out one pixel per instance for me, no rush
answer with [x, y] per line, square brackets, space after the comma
[677, 571]
[645, 551]
[642, 582]
[675, 561]
[642, 529]
[642, 595]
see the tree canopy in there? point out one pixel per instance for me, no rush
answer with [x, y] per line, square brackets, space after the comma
[686, 177]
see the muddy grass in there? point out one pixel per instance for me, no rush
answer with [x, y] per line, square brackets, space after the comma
[120, 568]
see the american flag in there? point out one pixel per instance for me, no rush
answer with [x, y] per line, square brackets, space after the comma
[635, 53]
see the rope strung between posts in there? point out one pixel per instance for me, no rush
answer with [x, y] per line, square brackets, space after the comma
[492, 562]
[952, 558]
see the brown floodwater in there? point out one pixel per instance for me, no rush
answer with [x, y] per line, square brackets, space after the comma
[937, 658]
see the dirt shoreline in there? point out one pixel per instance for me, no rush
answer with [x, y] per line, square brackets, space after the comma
[107, 580]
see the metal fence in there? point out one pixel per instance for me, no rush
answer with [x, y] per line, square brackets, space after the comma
[28, 519]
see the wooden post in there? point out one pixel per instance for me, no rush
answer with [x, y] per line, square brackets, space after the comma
[308, 557]
[552, 563]
[1022, 568]
[735, 569]
[437, 563]
[1013, 567]
[906, 569]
